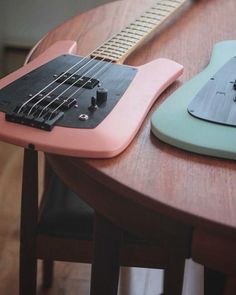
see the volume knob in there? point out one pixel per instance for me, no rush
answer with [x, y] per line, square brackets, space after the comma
[101, 95]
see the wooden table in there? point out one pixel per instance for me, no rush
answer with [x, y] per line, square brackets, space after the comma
[152, 187]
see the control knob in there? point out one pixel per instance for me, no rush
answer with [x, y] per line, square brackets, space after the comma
[101, 95]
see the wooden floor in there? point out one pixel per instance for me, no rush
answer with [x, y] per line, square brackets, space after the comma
[70, 278]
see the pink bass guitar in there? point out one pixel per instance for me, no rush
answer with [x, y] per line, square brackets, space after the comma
[86, 106]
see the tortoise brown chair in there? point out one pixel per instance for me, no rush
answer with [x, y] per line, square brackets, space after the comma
[218, 255]
[62, 228]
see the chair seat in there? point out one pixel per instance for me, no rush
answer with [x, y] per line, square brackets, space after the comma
[63, 214]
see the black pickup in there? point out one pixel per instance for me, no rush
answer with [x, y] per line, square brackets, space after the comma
[77, 80]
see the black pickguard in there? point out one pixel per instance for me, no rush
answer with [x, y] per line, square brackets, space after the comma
[115, 78]
[216, 101]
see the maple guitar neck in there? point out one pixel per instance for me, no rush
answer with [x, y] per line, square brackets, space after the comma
[120, 46]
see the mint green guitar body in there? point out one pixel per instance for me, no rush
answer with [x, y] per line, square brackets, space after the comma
[172, 123]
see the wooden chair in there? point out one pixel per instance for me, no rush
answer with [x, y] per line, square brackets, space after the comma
[62, 229]
[218, 255]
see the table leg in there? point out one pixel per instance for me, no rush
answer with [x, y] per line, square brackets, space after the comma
[214, 282]
[230, 286]
[174, 275]
[106, 259]
[29, 211]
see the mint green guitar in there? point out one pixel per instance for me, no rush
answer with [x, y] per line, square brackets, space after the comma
[183, 119]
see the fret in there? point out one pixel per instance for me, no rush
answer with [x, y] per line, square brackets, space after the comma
[161, 12]
[141, 29]
[119, 46]
[116, 49]
[114, 46]
[108, 47]
[123, 45]
[159, 8]
[130, 32]
[154, 13]
[146, 21]
[163, 9]
[131, 43]
[151, 18]
[142, 25]
[107, 55]
[129, 37]
[166, 5]
[176, 1]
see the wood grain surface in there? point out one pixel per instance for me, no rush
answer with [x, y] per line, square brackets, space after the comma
[195, 190]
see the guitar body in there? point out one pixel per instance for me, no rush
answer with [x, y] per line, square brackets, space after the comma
[117, 129]
[172, 123]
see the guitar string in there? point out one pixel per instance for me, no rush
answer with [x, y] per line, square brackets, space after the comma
[88, 56]
[57, 80]
[62, 83]
[77, 81]
[66, 79]
[103, 68]
[39, 92]
[68, 88]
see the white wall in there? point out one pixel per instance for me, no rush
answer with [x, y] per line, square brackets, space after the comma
[24, 22]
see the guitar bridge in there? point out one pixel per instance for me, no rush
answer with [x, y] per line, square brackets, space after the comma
[45, 123]
[43, 112]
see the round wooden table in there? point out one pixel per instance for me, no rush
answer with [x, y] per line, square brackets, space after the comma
[152, 188]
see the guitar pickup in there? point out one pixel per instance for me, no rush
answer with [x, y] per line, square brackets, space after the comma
[63, 102]
[77, 80]
[66, 104]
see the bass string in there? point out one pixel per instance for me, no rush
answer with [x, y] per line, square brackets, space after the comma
[60, 76]
[76, 81]
[69, 69]
[60, 84]
[40, 91]
[95, 75]
[48, 85]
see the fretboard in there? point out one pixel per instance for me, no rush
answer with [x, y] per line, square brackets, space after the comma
[117, 48]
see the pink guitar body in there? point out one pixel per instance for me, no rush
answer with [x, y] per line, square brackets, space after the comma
[114, 133]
